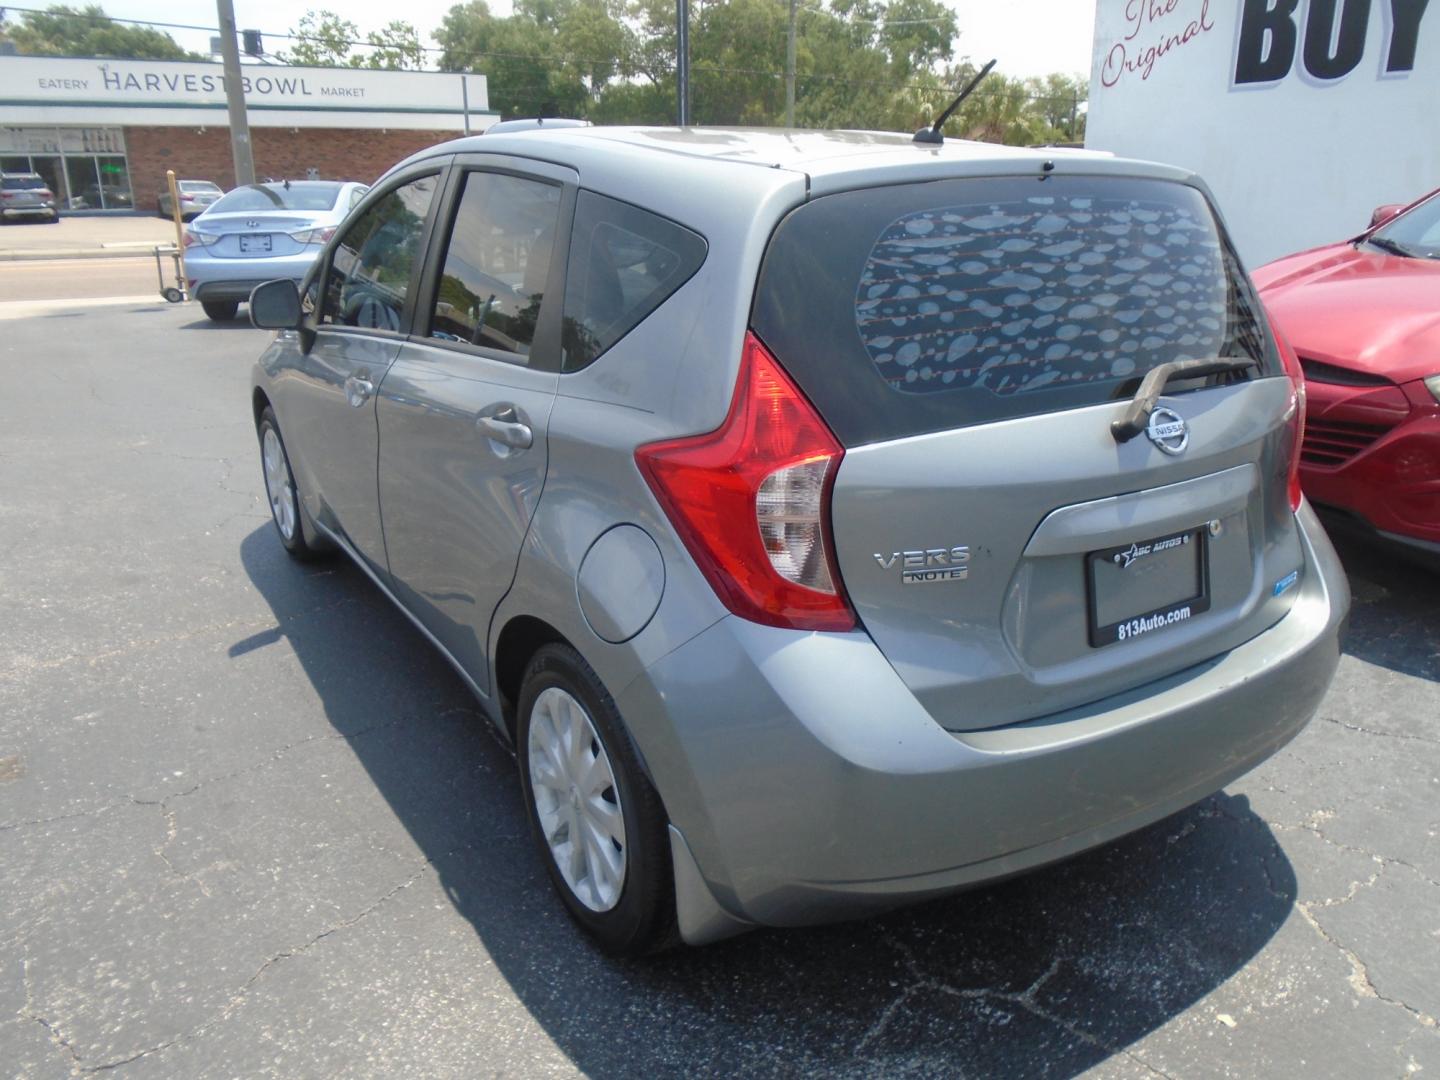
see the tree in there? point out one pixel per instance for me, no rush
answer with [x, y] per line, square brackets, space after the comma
[62, 30]
[325, 39]
[883, 65]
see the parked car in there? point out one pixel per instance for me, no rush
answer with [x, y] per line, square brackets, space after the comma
[1364, 316]
[26, 195]
[195, 196]
[829, 521]
[258, 232]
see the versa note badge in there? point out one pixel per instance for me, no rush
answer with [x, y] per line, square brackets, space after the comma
[930, 565]
[1168, 431]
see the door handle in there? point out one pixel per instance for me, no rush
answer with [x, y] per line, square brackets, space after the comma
[358, 390]
[511, 433]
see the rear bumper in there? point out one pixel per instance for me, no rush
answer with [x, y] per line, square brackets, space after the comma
[46, 211]
[232, 279]
[811, 786]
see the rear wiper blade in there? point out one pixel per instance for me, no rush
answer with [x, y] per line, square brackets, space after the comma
[1137, 413]
[1384, 243]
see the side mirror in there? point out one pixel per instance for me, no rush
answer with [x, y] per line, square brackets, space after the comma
[1384, 213]
[275, 305]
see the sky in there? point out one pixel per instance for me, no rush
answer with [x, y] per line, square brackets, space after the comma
[1030, 37]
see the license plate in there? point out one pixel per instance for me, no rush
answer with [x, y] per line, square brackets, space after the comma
[1147, 586]
[249, 244]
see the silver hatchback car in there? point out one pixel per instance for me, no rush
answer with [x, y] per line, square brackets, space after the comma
[829, 521]
[260, 232]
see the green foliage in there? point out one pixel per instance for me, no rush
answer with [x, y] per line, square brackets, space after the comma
[872, 64]
[62, 30]
[325, 39]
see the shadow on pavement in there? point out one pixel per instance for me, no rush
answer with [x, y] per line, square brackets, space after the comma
[240, 322]
[1397, 593]
[1045, 975]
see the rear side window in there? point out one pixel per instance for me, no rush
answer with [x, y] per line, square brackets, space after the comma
[925, 307]
[624, 263]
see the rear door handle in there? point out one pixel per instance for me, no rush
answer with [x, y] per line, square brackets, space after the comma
[511, 433]
[358, 390]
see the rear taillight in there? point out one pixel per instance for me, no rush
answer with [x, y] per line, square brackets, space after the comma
[313, 236]
[1296, 421]
[193, 237]
[751, 501]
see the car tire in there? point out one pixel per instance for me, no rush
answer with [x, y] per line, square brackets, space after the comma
[287, 511]
[221, 310]
[569, 730]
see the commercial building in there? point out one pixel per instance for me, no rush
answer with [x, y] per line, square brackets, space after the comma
[1302, 117]
[103, 132]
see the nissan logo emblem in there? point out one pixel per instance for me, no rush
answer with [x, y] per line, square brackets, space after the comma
[1169, 431]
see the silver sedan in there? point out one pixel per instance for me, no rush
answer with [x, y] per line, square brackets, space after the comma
[195, 197]
[260, 232]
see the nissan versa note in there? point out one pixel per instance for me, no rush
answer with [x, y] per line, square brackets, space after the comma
[830, 521]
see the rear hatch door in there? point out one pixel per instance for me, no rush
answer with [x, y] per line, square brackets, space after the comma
[970, 342]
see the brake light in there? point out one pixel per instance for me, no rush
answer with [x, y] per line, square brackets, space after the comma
[192, 237]
[1297, 416]
[313, 236]
[751, 501]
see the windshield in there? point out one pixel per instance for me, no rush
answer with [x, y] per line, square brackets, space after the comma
[22, 183]
[1417, 232]
[198, 185]
[315, 195]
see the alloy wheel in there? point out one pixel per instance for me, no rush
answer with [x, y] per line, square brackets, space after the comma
[578, 804]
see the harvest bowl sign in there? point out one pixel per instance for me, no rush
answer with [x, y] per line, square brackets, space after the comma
[28, 82]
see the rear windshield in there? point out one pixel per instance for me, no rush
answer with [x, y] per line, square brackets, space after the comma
[313, 195]
[923, 307]
[22, 183]
[202, 185]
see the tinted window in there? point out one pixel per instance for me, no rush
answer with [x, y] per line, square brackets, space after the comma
[22, 183]
[369, 271]
[496, 262]
[624, 263]
[923, 307]
[307, 195]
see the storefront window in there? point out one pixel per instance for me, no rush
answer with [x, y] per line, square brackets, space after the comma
[85, 167]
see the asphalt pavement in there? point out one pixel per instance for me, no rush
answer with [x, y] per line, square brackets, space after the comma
[252, 825]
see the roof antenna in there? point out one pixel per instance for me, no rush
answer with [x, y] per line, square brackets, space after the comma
[931, 135]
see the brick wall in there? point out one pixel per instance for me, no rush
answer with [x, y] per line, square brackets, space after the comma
[284, 153]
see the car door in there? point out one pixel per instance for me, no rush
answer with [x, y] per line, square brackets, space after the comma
[464, 410]
[368, 278]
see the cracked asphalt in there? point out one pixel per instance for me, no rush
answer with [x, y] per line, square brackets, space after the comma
[250, 824]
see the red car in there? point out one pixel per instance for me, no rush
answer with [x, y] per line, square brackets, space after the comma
[1364, 318]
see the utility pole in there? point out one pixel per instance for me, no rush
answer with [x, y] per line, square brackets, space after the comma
[235, 95]
[790, 71]
[682, 60]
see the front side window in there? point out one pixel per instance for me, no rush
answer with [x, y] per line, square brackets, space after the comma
[497, 262]
[624, 263]
[370, 269]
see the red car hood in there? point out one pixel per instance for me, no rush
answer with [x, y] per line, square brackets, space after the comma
[1358, 308]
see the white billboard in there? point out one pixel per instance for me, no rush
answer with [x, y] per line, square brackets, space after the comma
[40, 89]
[1302, 115]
